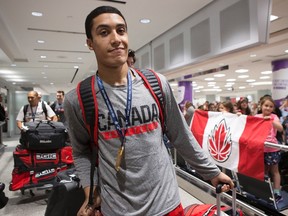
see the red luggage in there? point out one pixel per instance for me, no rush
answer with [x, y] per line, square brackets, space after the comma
[212, 209]
[38, 168]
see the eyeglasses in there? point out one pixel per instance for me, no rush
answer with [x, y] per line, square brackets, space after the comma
[30, 97]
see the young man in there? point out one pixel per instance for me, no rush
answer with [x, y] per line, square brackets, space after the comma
[145, 181]
[58, 106]
[35, 111]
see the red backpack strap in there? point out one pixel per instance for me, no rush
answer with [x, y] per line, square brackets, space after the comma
[89, 106]
[153, 83]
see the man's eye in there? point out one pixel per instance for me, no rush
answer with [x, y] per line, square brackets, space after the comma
[103, 32]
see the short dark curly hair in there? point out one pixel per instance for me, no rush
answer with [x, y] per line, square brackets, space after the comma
[96, 12]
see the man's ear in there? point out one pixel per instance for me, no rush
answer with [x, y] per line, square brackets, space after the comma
[89, 43]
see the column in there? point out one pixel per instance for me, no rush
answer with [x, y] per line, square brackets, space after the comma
[279, 80]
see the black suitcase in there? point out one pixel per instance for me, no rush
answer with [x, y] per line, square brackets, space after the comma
[44, 135]
[66, 197]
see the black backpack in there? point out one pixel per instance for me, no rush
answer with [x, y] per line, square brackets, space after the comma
[25, 108]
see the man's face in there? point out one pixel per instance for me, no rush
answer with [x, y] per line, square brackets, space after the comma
[59, 97]
[32, 99]
[110, 40]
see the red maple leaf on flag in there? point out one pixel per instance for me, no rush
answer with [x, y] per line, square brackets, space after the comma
[219, 142]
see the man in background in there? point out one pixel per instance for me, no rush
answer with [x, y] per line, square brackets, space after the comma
[58, 106]
[34, 111]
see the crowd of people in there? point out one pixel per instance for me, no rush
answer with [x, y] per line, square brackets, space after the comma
[266, 108]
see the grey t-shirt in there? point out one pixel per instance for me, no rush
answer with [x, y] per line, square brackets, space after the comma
[146, 182]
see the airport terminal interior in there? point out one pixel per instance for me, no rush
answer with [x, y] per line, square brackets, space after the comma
[212, 52]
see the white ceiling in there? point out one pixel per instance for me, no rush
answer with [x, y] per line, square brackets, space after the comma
[62, 29]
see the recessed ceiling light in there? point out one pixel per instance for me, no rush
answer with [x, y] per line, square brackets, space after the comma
[230, 80]
[40, 41]
[230, 83]
[14, 83]
[219, 75]
[43, 57]
[242, 87]
[45, 77]
[243, 76]
[209, 79]
[13, 65]
[42, 72]
[262, 83]
[266, 72]
[286, 51]
[145, 21]
[52, 83]
[37, 14]
[253, 55]
[273, 17]
[241, 70]
[265, 77]
[76, 66]
[45, 66]
[250, 80]
[79, 58]
[173, 84]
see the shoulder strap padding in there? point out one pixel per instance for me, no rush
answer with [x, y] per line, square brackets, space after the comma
[89, 105]
[153, 83]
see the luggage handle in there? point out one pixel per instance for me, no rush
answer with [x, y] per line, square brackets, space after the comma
[46, 122]
[218, 200]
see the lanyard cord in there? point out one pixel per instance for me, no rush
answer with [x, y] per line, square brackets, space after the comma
[111, 109]
[33, 114]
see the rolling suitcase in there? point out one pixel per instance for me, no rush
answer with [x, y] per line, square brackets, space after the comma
[212, 209]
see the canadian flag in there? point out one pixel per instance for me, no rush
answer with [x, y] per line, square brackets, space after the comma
[233, 142]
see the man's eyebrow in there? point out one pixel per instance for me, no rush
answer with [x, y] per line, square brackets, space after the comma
[109, 26]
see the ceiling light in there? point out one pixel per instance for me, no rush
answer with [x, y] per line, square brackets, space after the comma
[286, 51]
[219, 75]
[230, 83]
[76, 67]
[209, 79]
[13, 65]
[45, 77]
[230, 80]
[273, 17]
[211, 83]
[266, 72]
[241, 70]
[37, 14]
[250, 80]
[242, 87]
[173, 84]
[43, 57]
[14, 83]
[40, 41]
[253, 55]
[216, 87]
[197, 91]
[52, 83]
[261, 83]
[265, 77]
[45, 66]
[145, 21]
[243, 76]
[212, 90]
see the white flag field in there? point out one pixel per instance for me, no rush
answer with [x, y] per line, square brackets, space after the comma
[233, 142]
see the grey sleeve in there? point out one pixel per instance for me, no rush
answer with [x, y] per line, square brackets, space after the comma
[182, 138]
[79, 138]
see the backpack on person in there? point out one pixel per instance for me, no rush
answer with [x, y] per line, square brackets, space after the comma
[89, 105]
[25, 109]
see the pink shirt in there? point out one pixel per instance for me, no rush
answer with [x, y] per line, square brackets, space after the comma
[272, 134]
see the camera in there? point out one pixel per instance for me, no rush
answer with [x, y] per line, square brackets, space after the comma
[3, 198]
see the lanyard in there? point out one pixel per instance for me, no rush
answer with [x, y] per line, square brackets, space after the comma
[33, 114]
[108, 103]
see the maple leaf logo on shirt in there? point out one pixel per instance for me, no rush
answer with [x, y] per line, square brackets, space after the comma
[219, 142]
